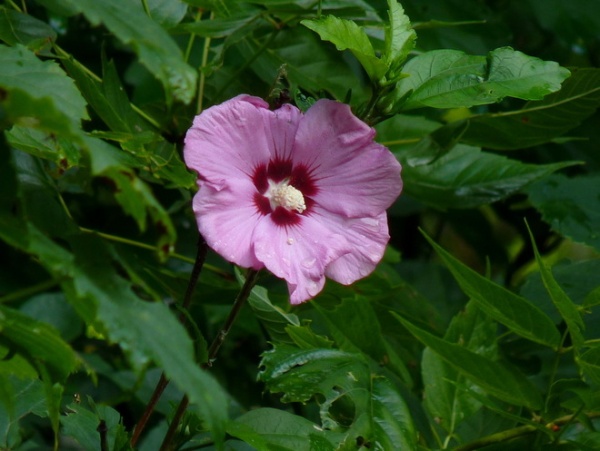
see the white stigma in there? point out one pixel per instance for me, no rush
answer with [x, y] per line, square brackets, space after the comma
[283, 195]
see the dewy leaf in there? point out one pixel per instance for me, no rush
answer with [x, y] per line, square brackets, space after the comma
[452, 79]
[561, 300]
[38, 342]
[495, 378]
[399, 36]
[541, 121]
[466, 177]
[155, 48]
[380, 415]
[38, 94]
[347, 35]
[570, 206]
[506, 307]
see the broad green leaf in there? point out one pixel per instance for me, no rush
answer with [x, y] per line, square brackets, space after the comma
[540, 121]
[28, 397]
[379, 415]
[495, 378]
[506, 307]
[267, 428]
[466, 177]
[355, 327]
[570, 206]
[561, 300]
[347, 35]
[38, 342]
[130, 24]
[38, 94]
[81, 423]
[399, 36]
[19, 28]
[589, 362]
[167, 13]
[52, 308]
[48, 146]
[434, 145]
[452, 79]
[273, 318]
[218, 27]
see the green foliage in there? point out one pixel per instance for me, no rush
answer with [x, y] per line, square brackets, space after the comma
[495, 349]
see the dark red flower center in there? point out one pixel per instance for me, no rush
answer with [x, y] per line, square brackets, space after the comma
[284, 191]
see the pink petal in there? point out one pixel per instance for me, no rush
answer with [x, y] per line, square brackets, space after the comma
[229, 140]
[354, 175]
[227, 218]
[368, 238]
[298, 254]
[283, 124]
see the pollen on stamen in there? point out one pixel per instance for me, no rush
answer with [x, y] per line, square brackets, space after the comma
[284, 195]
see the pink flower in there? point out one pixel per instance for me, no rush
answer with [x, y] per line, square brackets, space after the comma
[303, 195]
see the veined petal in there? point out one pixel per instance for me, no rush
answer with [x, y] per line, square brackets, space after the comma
[298, 253]
[368, 238]
[283, 124]
[355, 176]
[227, 218]
[229, 140]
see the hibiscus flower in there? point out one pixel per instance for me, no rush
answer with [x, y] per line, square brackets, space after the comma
[301, 194]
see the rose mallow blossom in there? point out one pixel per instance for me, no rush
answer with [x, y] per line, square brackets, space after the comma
[301, 194]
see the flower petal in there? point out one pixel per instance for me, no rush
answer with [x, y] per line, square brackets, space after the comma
[367, 237]
[227, 218]
[229, 140]
[355, 176]
[298, 254]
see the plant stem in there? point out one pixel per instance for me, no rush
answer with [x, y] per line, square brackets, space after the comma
[163, 381]
[202, 80]
[213, 350]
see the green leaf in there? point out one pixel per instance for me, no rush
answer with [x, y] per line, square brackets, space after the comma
[355, 327]
[81, 423]
[130, 24]
[19, 28]
[28, 397]
[271, 316]
[38, 342]
[38, 94]
[447, 392]
[452, 79]
[267, 428]
[399, 36]
[506, 307]
[48, 146]
[570, 206]
[589, 362]
[380, 415]
[495, 378]
[167, 13]
[466, 177]
[561, 300]
[435, 144]
[346, 35]
[541, 121]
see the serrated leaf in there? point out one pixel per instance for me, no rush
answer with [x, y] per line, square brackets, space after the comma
[380, 413]
[399, 36]
[506, 307]
[347, 35]
[541, 121]
[44, 145]
[452, 79]
[38, 94]
[492, 376]
[466, 177]
[38, 342]
[561, 300]
[130, 24]
[19, 28]
[570, 206]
